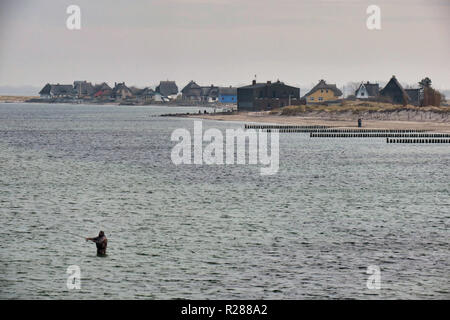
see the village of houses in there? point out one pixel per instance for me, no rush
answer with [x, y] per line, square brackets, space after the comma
[257, 96]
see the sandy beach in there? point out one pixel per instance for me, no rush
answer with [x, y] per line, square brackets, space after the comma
[311, 120]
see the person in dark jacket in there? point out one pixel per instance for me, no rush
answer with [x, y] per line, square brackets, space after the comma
[101, 243]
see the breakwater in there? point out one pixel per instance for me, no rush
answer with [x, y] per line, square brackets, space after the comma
[379, 135]
[391, 135]
[406, 140]
[283, 127]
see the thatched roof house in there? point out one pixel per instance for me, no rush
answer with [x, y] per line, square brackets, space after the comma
[102, 91]
[167, 88]
[83, 88]
[323, 92]
[192, 92]
[57, 90]
[394, 92]
[121, 91]
[137, 92]
[367, 90]
[210, 94]
[102, 86]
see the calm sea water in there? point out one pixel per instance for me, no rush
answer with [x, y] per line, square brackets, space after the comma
[335, 207]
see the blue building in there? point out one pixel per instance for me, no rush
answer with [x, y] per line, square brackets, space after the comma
[228, 95]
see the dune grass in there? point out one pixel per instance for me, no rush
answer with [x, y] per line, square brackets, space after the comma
[355, 107]
[15, 98]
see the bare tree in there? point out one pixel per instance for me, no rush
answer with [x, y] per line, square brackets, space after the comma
[351, 87]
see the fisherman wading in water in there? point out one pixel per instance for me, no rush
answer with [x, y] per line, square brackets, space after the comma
[101, 243]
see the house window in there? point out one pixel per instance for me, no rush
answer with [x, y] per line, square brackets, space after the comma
[327, 90]
[362, 94]
[312, 98]
[321, 90]
[320, 99]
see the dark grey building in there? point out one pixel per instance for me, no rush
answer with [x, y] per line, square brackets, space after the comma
[57, 91]
[167, 88]
[394, 92]
[415, 96]
[266, 96]
[192, 92]
[83, 89]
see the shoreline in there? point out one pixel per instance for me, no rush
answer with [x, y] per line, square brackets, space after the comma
[109, 104]
[425, 120]
[257, 117]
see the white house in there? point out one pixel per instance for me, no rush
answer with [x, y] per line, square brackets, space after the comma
[367, 90]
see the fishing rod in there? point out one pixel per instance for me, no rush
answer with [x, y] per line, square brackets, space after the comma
[77, 235]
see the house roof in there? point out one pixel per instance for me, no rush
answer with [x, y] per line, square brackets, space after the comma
[371, 88]
[211, 91]
[102, 89]
[323, 85]
[210, 88]
[193, 89]
[413, 94]
[57, 89]
[255, 85]
[228, 91]
[189, 86]
[83, 87]
[167, 88]
[101, 86]
[148, 92]
[393, 82]
[46, 89]
[136, 91]
[120, 86]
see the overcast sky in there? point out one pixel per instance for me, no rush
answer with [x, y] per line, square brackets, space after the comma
[223, 42]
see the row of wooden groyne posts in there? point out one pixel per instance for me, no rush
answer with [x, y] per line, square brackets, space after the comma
[391, 135]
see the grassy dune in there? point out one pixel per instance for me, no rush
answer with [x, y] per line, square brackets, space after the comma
[355, 107]
[15, 98]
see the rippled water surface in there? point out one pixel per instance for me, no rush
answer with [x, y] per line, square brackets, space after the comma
[335, 207]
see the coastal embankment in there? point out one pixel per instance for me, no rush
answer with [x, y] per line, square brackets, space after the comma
[382, 117]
